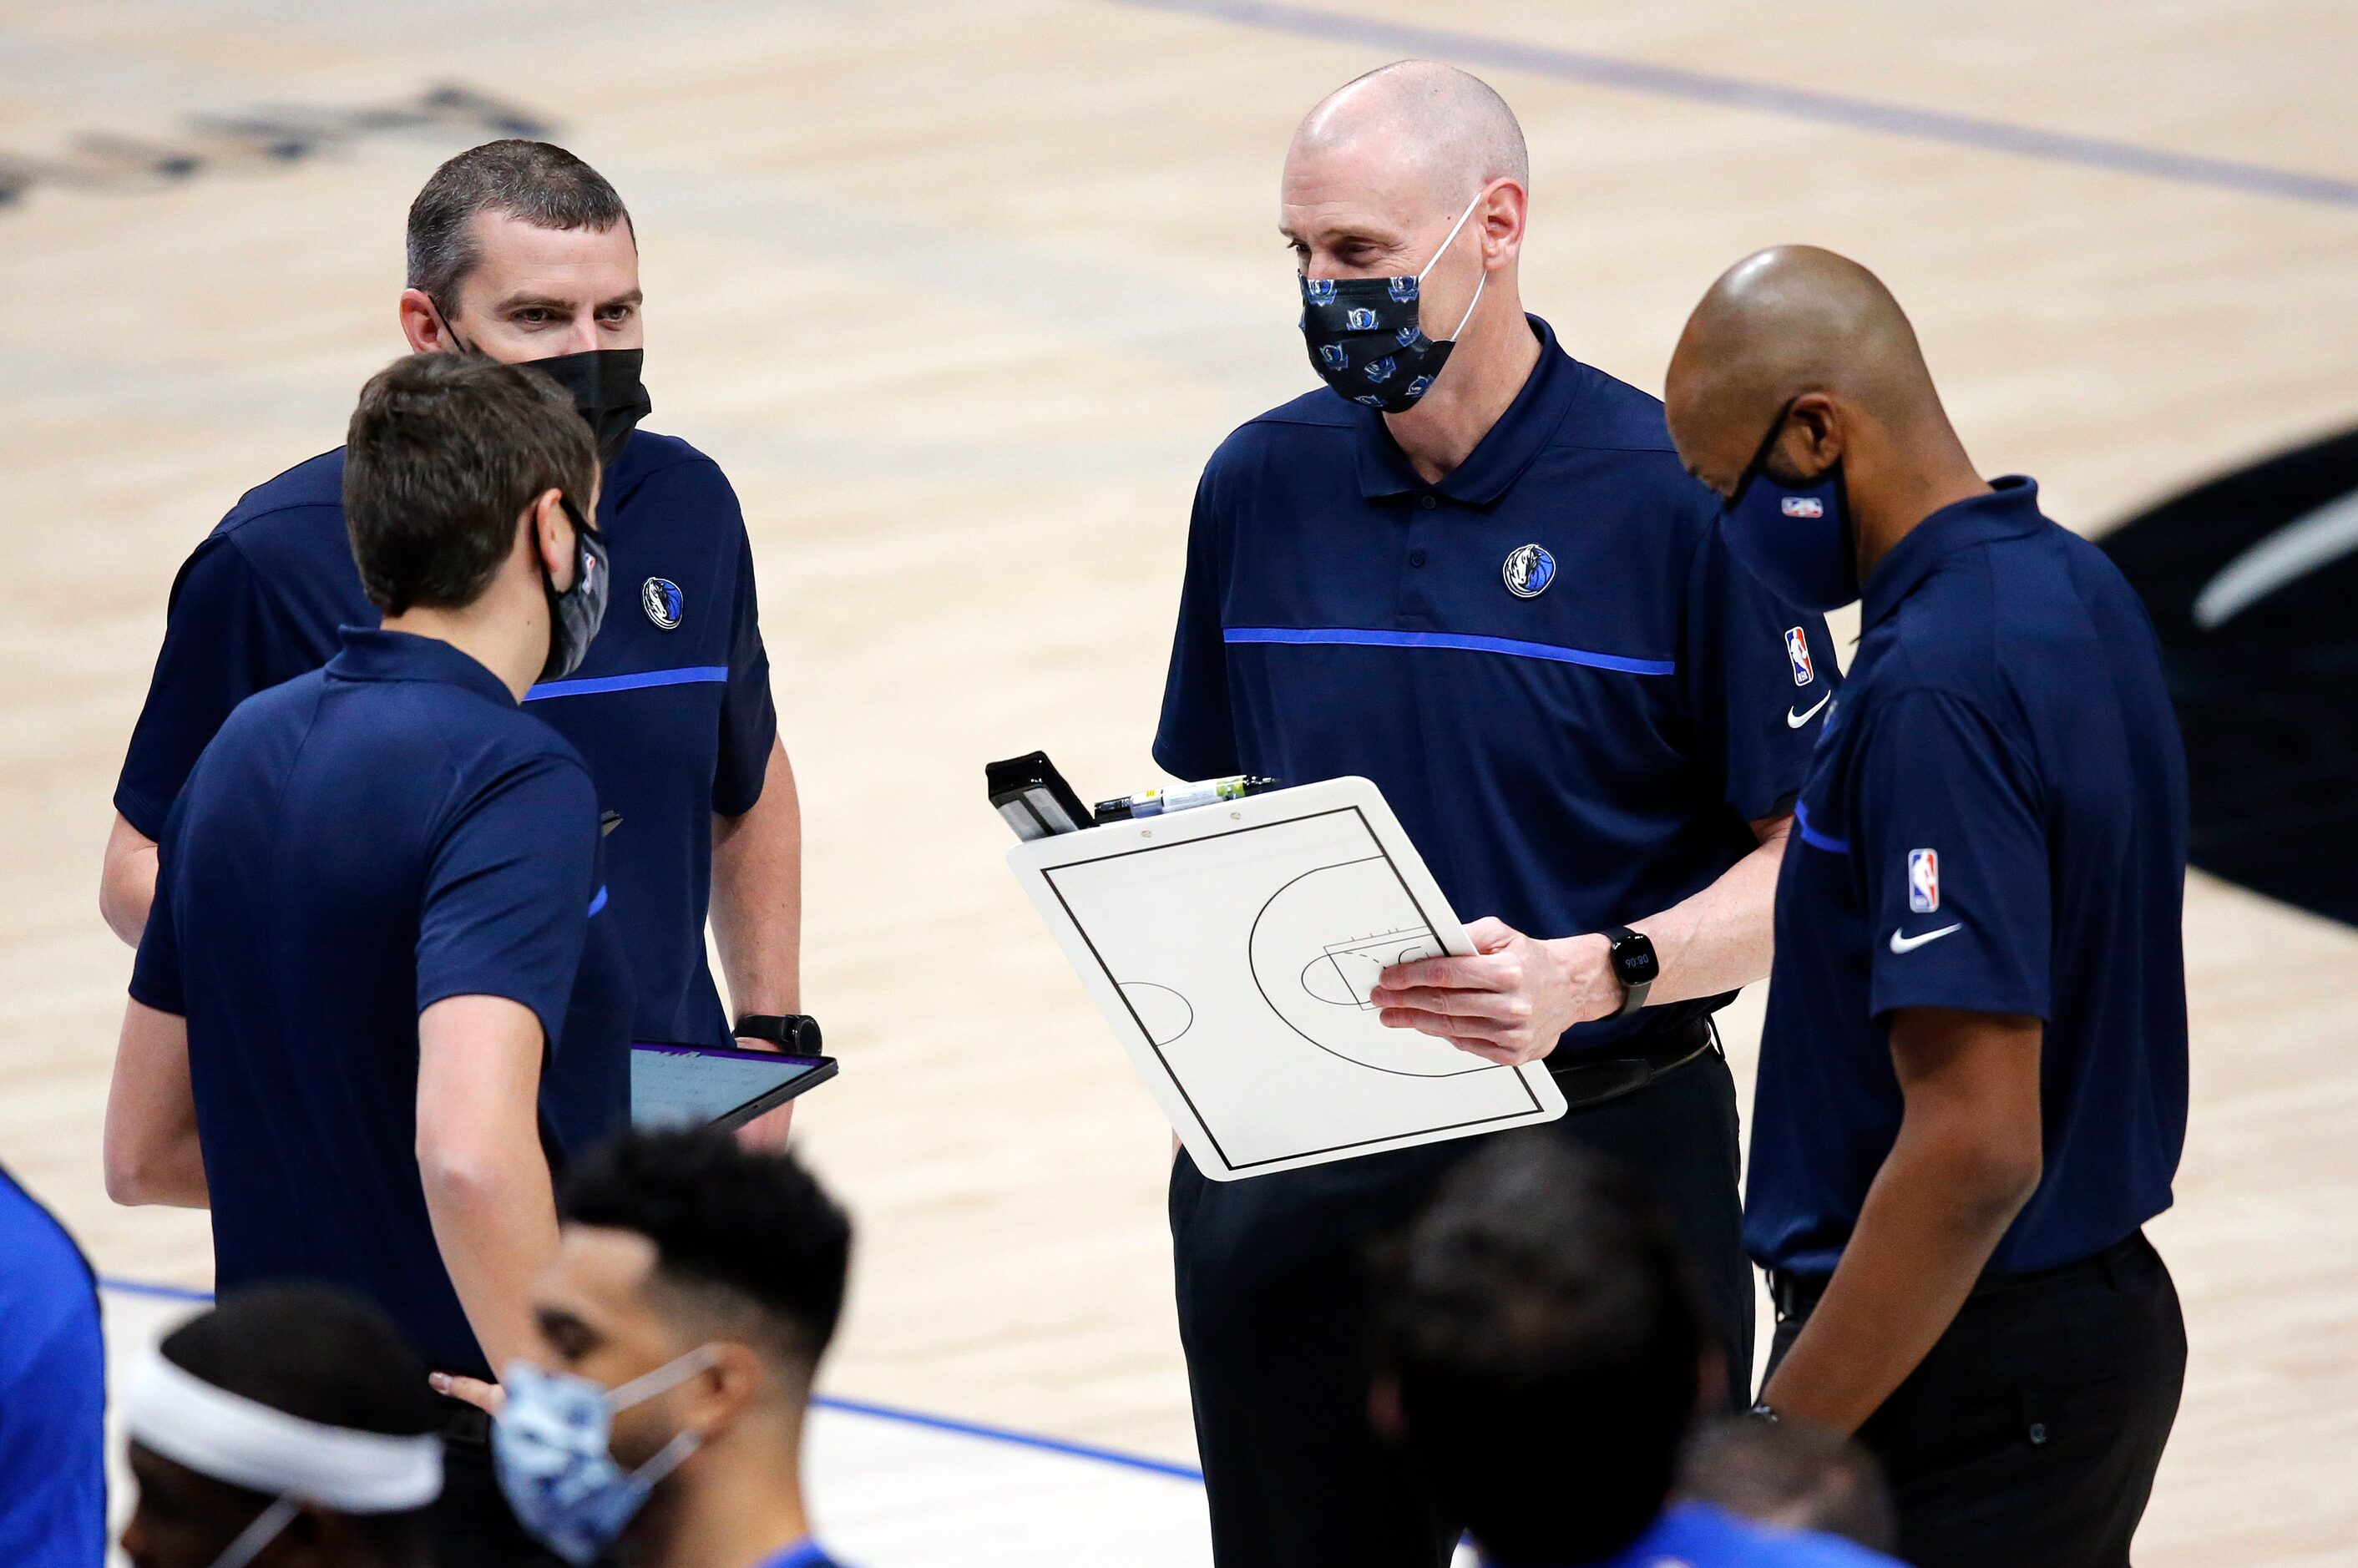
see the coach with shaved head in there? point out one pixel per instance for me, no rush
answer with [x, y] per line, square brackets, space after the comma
[1974, 1075]
[1470, 569]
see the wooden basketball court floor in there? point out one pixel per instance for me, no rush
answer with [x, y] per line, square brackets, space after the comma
[961, 295]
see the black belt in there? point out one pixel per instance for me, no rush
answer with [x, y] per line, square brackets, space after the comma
[1593, 1080]
[1796, 1294]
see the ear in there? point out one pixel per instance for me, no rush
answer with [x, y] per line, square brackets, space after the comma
[551, 533]
[423, 326]
[732, 1382]
[1505, 207]
[1815, 434]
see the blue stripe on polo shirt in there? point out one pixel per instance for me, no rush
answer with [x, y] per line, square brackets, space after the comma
[1454, 641]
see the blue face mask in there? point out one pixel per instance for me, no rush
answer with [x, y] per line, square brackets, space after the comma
[1795, 538]
[1366, 335]
[549, 1447]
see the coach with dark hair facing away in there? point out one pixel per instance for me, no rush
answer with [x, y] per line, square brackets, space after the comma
[287, 1427]
[1973, 1070]
[659, 1418]
[377, 927]
[521, 252]
[1539, 1354]
[1471, 569]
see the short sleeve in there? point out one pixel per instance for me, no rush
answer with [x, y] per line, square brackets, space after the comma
[156, 972]
[222, 643]
[1759, 674]
[1949, 841]
[748, 719]
[508, 889]
[1197, 739]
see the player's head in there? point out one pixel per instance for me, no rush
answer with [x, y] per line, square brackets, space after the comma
[526, 252]
[1804, 348]
[289, 1427]
[694, 1287]
[458, 467]
[1379, 173]
[1793, 1475]
[1538, 1351]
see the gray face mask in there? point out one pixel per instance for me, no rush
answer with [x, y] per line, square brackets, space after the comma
[575, 614]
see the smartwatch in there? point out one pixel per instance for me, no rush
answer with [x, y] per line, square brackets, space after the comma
[794, 1033]
[1634, 965]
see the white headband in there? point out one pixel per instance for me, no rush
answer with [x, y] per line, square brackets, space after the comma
[250, 1444]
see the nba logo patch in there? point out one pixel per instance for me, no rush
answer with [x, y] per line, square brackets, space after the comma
[1804, 506]
[1923, 880]
[1797, 648]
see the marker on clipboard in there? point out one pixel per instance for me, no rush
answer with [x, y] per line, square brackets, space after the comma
[1182, 798]
[1033, 796]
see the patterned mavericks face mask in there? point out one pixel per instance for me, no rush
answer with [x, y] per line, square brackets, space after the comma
[1367, 337]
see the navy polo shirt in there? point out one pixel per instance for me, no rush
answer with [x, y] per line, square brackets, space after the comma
[671, 709]
[356, 845]
[1995, 821]
[1573, 698]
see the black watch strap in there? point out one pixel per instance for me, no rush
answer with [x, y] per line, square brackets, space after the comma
[1634, 965]
[795, 1031]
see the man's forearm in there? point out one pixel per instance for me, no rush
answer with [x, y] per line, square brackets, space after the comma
[127, 881]
[1966, 1159]
[495, 1224]
[1722, 937]
[757, 910]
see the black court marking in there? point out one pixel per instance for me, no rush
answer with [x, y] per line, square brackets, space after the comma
[2250, 578]
[1049, 873]
[1973, 131]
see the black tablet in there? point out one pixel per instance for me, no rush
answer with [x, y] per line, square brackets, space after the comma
[707, 1086]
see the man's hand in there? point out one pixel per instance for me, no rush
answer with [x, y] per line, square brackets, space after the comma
[1510, 1001]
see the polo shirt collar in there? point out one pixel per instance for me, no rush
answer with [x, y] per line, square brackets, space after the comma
[2010, 509]
[372, 653]
[1502, 454]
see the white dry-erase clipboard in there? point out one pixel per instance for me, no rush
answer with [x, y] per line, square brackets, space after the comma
[1232, 948]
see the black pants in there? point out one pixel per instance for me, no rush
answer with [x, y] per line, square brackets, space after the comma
[2029, 1436]
[473, 1527]
[1273, 1313]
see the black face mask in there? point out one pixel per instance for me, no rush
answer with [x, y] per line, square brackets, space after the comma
[575, 614]
[605, 387]
[1366, 336]
[603, 383]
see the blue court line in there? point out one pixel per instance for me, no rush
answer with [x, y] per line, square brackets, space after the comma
[1769, 98]
[1350, 636]
[691, 674]
[1008, 1436]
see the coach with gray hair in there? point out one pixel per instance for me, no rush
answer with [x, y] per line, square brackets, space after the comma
[378, 950]
[521, 252]
[1471, 569]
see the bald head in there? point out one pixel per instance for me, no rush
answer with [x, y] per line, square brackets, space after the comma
[1781, 324]
[1447, 126]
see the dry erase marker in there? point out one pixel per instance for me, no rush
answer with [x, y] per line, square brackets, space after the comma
[1179, 797]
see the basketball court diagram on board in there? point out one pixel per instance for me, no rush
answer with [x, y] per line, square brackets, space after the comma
[1235, 951]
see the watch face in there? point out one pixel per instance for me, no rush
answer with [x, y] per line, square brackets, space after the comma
[1635, 963]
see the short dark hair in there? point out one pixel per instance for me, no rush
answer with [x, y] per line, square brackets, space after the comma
[324, 1355]
[1538, 1328]
[756, 1228]
[539, 182]
[444, 453]
[1792, 1474]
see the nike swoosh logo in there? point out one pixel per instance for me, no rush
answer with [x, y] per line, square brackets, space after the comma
[1910, 944]
[1795, 721]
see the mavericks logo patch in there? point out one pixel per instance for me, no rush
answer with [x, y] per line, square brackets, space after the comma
[662, 602]
[1528, 571]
